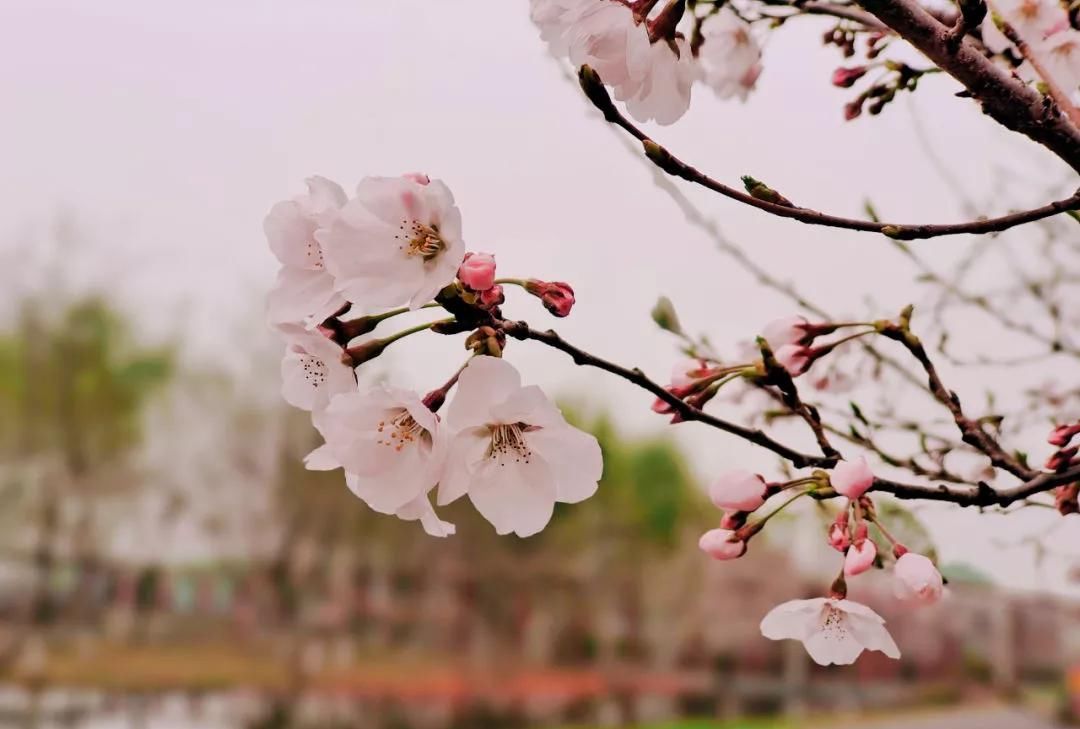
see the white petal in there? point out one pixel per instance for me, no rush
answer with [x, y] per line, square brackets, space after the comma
[324, 194]
[515, 496]
[483, 384]
[420, 509]
[408, 477]
[300, 295]
[290, 234]
[858, 609]
[873, 635]
[529, 405]
[837, 644]
[795, 619]
[574, 456]
[467, 451]
[321, 459]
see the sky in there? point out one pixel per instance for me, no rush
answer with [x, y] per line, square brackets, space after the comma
[166, 131]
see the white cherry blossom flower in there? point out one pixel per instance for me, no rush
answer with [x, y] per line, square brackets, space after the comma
[397, 242]
[606, 36]
[387, 441]
[513, 453]
[314, 369]
[304, 291]
[555, 18]
[729, 55]
[832, 630]
[1032, 19]
[1060, 53]
[662, 92]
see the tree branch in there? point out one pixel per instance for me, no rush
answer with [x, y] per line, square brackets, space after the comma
[1004, 97]
[520, 330]
[675, 167]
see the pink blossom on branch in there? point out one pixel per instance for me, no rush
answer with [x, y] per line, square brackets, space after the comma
[730, 56]
[917, 579]
[477, 271]
[860, 557]
[513, 453]
[832, 630]
[556, 296]
[722, 544]
[852, 478]
[304, 292]
[738, 490]
[397, 242]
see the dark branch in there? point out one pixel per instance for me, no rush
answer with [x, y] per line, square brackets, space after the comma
[521, 330]
[675, 167]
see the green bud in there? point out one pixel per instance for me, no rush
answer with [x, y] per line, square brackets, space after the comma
[663, 313]
[760, 191]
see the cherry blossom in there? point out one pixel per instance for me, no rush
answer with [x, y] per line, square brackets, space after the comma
[477, 271]
[687, 371]
[397, 242]
[419, 509]
[722, 544]
[1032, 19]
[832, 630]
[860, 557]
[1060, 53]
[314, 369]
[794, 358]
[387, 441]
[917, 579]
[738, 490]
[605, 35]
[555, 18]
[790, 330]
[662, 92]
[729, 56]
[556, 296]
[304, 291]
[513, 453]
[852, 478]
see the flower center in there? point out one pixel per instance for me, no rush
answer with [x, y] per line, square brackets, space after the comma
[314, 370]
[314, 254]
[418, 239]
[400, 431]
[1029, 9]
[508, 442]
[833, 623]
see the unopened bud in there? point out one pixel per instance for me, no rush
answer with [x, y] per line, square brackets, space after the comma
[556, 296]
[366, 351]
[845, 78]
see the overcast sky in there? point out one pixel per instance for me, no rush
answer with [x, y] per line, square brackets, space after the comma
[168, 129]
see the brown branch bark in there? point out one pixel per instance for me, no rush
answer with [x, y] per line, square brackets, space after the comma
[1003, 96]
[672, 165]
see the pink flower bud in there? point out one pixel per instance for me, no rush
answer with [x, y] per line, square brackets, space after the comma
[492, 297]
[839, 537]
[738, 490]
[1062, 434]
[685, 372]
[663, 407]
[853, 110]
[917, 580]
[790, 330]
[860, 557]
[794, 358]
[557, 296]
[477, 271]
[852, 478]
[846, 77]
[718, 544]
[1062, 459]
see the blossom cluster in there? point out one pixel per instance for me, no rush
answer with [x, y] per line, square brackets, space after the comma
[645, 58]
[396, 247]
[833, 628]
[1053, 44]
